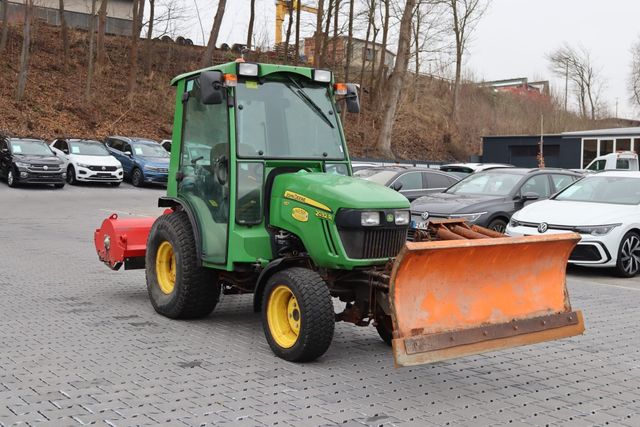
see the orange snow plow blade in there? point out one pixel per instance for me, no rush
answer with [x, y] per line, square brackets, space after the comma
[453, 298]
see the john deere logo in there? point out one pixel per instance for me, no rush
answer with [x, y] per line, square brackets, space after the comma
[543, 227]
[300, 214]
[389, 217]
[425, 215]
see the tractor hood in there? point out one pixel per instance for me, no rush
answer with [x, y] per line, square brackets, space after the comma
[336, 191]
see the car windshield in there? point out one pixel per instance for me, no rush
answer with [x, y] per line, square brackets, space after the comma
[376, 175]
[149, 150]
[291, 117]
[88, 148]
[603, 189]
[490, 184]
[30, 147]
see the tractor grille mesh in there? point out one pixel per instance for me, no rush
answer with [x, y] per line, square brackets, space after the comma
[373, 243]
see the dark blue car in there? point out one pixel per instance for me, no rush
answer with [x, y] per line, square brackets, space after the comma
[143, 160]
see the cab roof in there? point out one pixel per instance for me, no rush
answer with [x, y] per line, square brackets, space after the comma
[232, 67]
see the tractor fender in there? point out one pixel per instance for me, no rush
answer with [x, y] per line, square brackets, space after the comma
[272, 268]
[176, 204]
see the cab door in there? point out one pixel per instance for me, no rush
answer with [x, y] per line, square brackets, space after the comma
[203, 172]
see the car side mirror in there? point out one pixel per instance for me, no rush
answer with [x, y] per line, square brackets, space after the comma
[397, 186]
[65, 151]
[211, 87]
[530, 196]
[352, 99]
[5, 150]
[127, 153]
[54, 153]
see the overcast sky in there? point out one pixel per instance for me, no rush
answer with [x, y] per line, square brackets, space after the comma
[511, 40]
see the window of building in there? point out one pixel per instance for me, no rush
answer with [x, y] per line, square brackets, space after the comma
[589, 151]
[606, 146]
[636, 145]
[623, 144]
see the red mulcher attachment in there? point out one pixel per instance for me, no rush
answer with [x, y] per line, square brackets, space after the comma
[123, 241]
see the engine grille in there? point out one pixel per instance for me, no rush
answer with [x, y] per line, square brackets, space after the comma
[41, 168]
[373, 243]
[103, 168]
[585, 253]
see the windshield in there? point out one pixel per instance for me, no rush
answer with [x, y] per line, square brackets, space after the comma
[88, 148]
[490, 184]
[30, 147]
[603, 189]
[376, 175]
[149, 150]
[291, 118]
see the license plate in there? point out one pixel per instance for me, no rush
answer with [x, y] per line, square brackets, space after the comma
[419, 224]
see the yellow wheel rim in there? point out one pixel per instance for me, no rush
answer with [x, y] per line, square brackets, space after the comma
[284, 316]
[166, 267]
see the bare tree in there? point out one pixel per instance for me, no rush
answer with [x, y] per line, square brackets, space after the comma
[215, 31]
[298, 8]
[252, 17]
[370, 17]
[318, 36]
[464, 15]
[577, 66]
[325, 33]
[287, 38]
[335, 33]
[148, 41]
[92, 30]
[24, 55]
[102, 29]
[383, 50]
[63, 32]
[396, 80]
[349, 53]
[634, 79]
[138, 13]
[5, 26]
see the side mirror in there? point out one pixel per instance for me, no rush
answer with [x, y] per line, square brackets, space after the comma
[530, 196]
[65, 151]
[5, 150]
[352, 99]
[397, 186]
[211, 88]
[127, 153]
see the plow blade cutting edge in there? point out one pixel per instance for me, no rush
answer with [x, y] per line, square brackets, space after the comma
[455, 298]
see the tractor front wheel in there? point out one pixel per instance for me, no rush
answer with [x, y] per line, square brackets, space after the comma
[297, 315]
[179, 288]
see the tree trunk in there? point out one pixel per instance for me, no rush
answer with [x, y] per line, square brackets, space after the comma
[335, 33]
[318, 36]
[24, 55]
[396, 80]
[287, 38]
[63, 32]
[148, 43]
[298, 7]
[102, 29]
[252, 17]
[349, 53]
[459, 39]
[92, 30]
[5, 26]
[372, 6]
[213, 37]
[138, 12]
[416, 35]
[383, 51]
[325, 34]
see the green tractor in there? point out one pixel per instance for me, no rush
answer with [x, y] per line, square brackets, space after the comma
[261, 200]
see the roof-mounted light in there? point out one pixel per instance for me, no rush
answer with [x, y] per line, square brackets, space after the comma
[230, 80]
[248, 69]
[340, 88]
[322, 76]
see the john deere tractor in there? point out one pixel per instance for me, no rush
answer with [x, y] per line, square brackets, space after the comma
[261, 200]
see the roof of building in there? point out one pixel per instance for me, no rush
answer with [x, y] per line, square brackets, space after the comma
[628, 131]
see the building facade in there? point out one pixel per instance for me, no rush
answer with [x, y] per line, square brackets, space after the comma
[358, 53]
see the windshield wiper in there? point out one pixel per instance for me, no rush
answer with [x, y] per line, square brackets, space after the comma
[303, 95]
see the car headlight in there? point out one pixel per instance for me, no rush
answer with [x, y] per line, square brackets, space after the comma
[151, 168]
[514, 223]
[596, 230]
[369, 219]
[82, 165]
[471, 217]
[22, 165]
[402, 217]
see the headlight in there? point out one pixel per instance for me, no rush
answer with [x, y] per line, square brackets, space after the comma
[402, 217]
[471, 217]
[514, 223]
[82, 165]
[596, 230]
[151, 168]
[22, 165]
[322, 76]
[369, 219]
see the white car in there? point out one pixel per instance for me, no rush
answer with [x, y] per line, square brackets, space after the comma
[604, 208]
[623, 160]
[88, 161]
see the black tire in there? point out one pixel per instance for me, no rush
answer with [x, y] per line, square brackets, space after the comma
[317, 318]
[196, 291]
[71, 175]
[499, 225]
[628, 264]
[116, 184]
[385, 329]
[12, 179]
[137, 178]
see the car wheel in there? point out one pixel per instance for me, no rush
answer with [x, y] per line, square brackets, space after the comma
[71, 175]
[12, 180]
[498, 225]
[137, 179]
[628, 264]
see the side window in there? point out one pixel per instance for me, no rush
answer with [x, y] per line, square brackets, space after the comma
[538, 184]
[249, 206]
[126, 147]
[116, 144]
[435, 180]
[622, 164]
[3, 144]
[560, 182]
[598, 165]
[64, 146]
[410, 181]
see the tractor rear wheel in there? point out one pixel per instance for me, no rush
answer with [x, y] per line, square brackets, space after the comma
[178, 287]
[297, 315]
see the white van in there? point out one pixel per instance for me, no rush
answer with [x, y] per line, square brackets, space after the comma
[622, 160]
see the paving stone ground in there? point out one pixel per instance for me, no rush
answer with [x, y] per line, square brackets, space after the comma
[81, 345]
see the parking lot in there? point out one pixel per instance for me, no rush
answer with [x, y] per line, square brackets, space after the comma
[82, 345]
